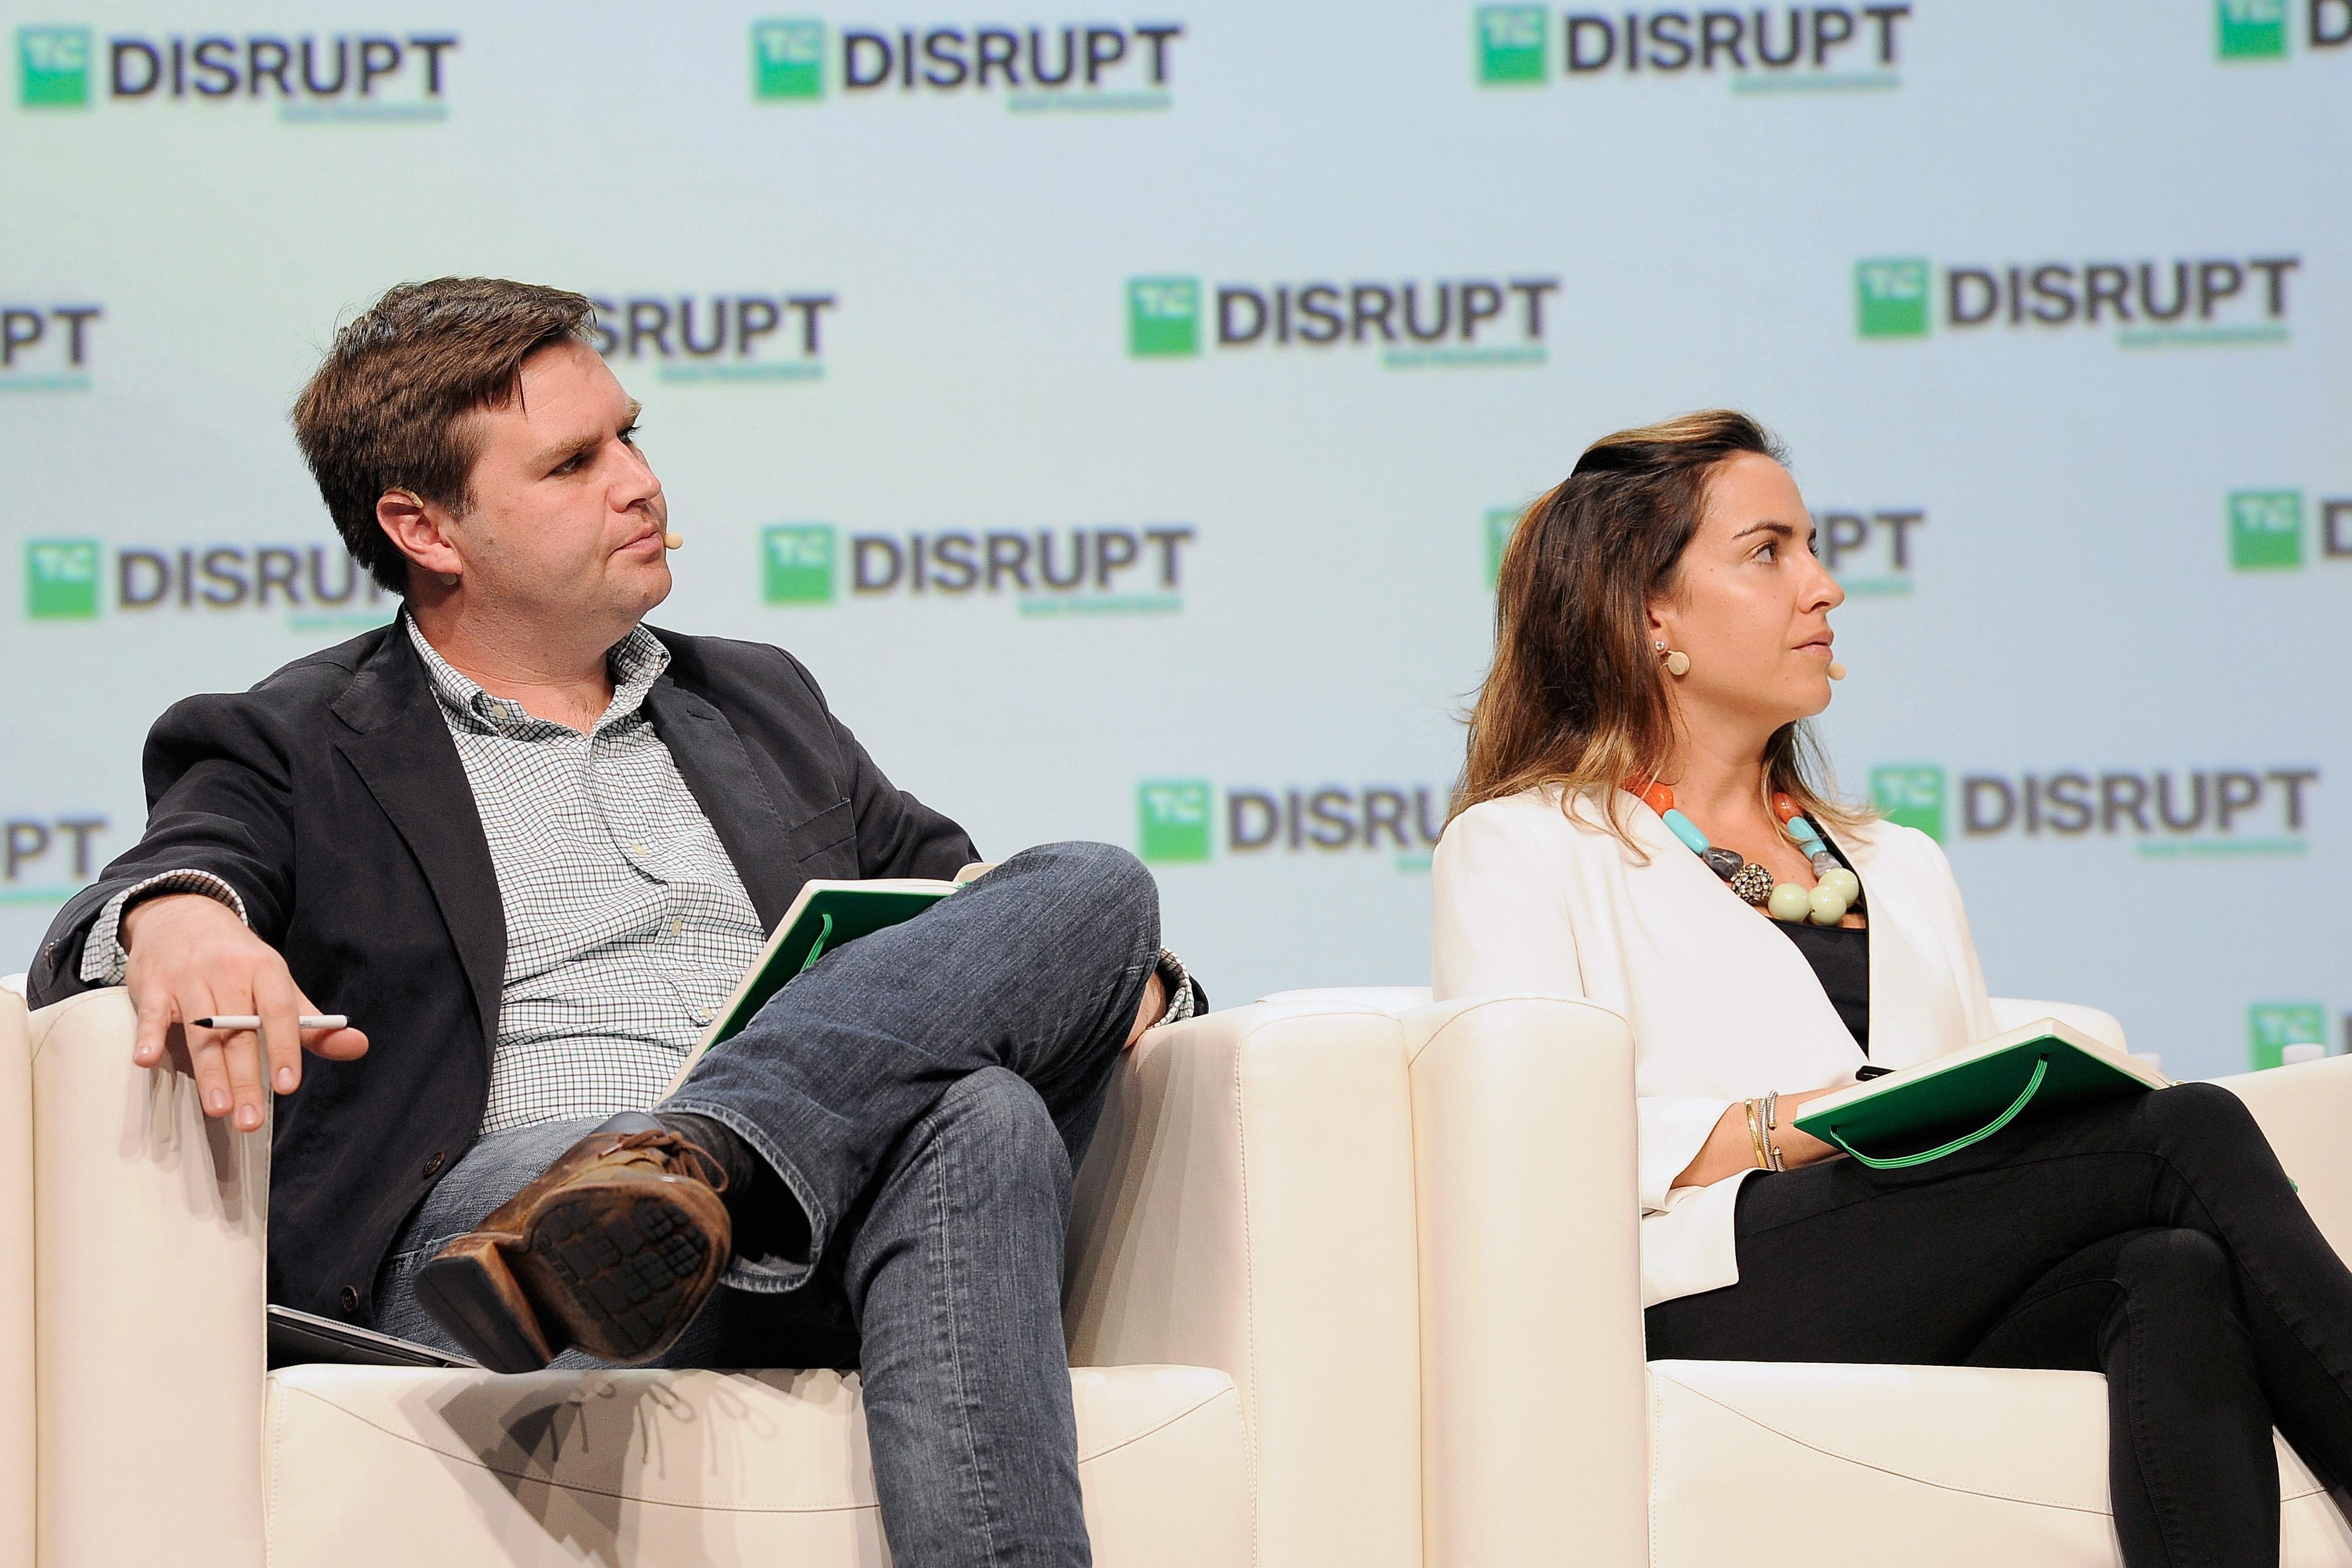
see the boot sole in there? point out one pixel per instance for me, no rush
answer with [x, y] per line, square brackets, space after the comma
[624, 1270]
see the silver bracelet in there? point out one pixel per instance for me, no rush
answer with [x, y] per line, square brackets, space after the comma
[1772, 1120]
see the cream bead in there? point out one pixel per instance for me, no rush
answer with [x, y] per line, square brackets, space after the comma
[1825, 905]
[1788, 902]
[1848, 884]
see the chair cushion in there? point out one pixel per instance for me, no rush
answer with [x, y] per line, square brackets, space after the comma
[369, 1465]
[1903, 1464]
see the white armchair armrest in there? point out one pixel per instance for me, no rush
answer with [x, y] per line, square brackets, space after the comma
[1247, 1205]
[15, 1280]
[147, 1226]
[1532, 1388]
[2300, 1112]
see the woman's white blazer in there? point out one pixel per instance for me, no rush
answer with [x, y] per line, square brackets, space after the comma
[1722, 1005]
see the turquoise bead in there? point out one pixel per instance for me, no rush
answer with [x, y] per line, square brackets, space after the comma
[1802, 831]
[1825, 905]
[1789, 903]
[1687, 831]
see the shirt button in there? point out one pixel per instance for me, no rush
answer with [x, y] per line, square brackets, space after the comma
[434, 1164]
[350, 1298]
[700, 1015]
[638, 850]
[676, 926]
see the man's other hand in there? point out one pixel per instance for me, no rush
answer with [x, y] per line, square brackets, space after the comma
[191, 957]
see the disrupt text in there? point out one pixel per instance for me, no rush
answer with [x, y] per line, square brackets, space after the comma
[1323, 313]
[951, 58]
[704, 328]
[1710, 40]
[216, 67]
[1064, 560]
[2139, 802]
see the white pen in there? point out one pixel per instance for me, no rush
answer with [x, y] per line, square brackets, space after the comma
[248, 1021]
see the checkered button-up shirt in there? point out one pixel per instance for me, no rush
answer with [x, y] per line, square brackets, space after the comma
[627, 927]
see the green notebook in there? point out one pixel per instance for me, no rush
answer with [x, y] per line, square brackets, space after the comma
[824, 914]
[1943, 1105]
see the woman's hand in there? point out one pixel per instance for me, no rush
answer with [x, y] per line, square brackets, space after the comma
[1730, 1150]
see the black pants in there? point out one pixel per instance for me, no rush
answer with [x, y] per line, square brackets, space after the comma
[2154, 1239]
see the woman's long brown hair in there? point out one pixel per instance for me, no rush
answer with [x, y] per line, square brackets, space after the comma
[1576, 698]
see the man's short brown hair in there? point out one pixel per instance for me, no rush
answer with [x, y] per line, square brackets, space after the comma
[387, 410]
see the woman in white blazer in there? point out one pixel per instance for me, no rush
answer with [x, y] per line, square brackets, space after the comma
[1662, 635]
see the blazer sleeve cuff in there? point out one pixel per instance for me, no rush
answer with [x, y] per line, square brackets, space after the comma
[104, 957]
[1674, 1127]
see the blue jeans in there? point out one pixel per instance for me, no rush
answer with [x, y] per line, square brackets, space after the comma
[924, 1093]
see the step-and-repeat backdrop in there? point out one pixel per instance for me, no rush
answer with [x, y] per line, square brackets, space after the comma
[1122, 414]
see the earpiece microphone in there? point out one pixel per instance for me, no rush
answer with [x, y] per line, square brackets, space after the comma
[671, 540]
[1837, 670]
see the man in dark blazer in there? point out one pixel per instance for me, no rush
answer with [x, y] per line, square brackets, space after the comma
[527, 845]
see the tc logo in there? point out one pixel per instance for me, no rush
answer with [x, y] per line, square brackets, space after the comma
[2272, 1026]
[1163, 317]
[53, 66]
[1510, 44]
[1890, 297]
[797, 561]
[61, 579]
[787, 60]
[2266, 529]
[2250, 29]
[1911, 797]
[1172, 819]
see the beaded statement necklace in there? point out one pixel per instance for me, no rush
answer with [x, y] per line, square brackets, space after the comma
[1825, 903]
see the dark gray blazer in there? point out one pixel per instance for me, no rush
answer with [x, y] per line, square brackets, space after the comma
[331, 798]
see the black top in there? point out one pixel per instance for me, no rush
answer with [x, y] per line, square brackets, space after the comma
[331, 798]
[1840, 958]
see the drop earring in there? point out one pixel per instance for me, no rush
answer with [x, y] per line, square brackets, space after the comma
[1677, 661]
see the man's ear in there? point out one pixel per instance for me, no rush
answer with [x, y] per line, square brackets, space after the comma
[413, 526]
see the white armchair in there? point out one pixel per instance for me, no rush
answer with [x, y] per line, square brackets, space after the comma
[1548, 1438]
[1242, 1312]
[16, 1469]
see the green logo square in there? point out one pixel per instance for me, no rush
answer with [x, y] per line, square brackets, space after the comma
[2250, 29]
[1172, 819]
[60, 579]
[1890, 297]
[1510, 44]
[1500, 520]
[1163, 317]
[1911, 797]
[2266, 530]
[787, 59]
[796, 560]
[2272, 1026]
[53, 68]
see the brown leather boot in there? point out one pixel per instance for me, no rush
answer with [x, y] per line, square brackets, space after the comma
[611, 1250]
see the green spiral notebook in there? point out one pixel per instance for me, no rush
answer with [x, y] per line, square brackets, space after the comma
[1943, 1105]
[823, 915]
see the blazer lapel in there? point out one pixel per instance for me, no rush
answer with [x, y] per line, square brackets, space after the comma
[719, 773]
[398, 743]
[1912, 1015]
